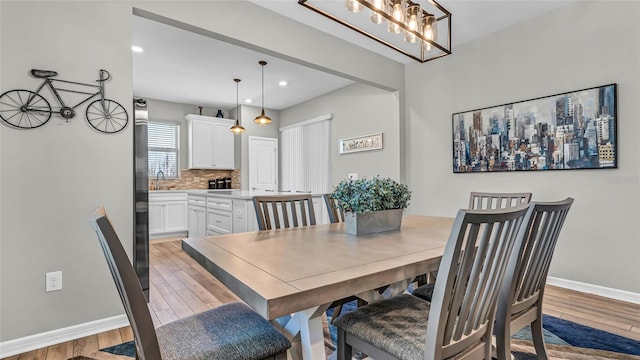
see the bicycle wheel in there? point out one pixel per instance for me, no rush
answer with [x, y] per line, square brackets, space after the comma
[107, 116]
[24, 109]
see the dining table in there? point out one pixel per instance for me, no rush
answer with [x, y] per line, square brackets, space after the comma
[291, 276]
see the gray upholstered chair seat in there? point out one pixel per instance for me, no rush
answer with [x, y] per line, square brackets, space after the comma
[228, 332]
[424, 292]
[397, 325]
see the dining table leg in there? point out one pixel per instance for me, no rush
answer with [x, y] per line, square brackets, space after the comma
[307, 326]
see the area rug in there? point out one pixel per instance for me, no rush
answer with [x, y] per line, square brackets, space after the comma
[564, 340]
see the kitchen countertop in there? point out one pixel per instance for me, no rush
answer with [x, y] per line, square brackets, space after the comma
[231, 193]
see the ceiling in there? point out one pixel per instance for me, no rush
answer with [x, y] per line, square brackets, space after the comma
[180, 66]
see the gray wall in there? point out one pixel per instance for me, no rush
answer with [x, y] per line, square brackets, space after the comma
[53, 176]
[583, 45]
[357, 110]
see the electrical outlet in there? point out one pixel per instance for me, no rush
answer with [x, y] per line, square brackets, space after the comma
[196, 179]
[53, 281]
[353, 176]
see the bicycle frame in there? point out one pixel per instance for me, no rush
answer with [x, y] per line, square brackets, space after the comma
[49, 82]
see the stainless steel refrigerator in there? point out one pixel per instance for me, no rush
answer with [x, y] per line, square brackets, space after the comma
[141, 198]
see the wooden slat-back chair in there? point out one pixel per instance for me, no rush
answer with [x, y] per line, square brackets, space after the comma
[477, 201]
[459, 321]
[489, 200]
[521, 296]
[336, 214]
[229, 332]
[283, 211]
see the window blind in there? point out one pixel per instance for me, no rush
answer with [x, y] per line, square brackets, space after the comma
[163, 149]
[306, 157]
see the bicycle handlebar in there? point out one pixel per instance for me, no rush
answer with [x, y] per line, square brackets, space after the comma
[104, 72]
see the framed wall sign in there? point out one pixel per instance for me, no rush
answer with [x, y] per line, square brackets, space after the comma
[361, 143]
[573, 130]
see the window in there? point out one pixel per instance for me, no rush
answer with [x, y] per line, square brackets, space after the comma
[163, 149]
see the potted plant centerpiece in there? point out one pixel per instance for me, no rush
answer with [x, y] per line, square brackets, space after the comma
[371, 205]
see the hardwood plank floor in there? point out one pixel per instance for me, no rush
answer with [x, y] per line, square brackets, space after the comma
[180, 287]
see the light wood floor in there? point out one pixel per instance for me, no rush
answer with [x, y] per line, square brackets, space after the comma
[180, 287]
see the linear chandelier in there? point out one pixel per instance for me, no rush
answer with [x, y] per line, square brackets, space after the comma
[422, 33]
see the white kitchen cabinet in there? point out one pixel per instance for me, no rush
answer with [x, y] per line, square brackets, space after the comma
[211, 143]
[197, 218]
[167, 213]
[219, 216]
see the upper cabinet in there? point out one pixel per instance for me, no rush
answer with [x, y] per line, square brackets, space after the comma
[211, 143]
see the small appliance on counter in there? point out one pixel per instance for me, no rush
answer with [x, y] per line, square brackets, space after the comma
[220, 183]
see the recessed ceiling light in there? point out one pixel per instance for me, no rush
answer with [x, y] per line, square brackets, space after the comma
[248, 101]
[136, 49]
[282, 83]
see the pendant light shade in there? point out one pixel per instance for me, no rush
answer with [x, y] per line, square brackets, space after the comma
[237, 128]
[262, 119]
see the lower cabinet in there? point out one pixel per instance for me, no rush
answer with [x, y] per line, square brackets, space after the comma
[219, 216]
[197, 216]
[167, 214]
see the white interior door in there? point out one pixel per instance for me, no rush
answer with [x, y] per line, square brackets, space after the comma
[263, 163]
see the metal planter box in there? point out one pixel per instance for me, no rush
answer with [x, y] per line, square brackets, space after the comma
[373, 222]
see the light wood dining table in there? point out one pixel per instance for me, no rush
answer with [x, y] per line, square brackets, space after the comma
[296, 273]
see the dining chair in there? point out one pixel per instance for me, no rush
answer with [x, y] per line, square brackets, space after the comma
[230, 331]
[336, 214]
[459, 321]
[283, 211]
[522, 291]
[497, 200]
[477, 201]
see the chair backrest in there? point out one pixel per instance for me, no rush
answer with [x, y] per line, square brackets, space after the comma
[529, 262]
[467, 288]
[488, 200]
[283, 211]
[129, 288]
[336, 214]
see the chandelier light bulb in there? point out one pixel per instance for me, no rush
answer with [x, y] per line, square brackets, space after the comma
[353, 5]
[375, 17]
[398, 16]
[412, 23]
[429, 31]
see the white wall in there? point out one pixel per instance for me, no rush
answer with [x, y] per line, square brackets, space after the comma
[582, 45]
[53, 176]
[357, 110]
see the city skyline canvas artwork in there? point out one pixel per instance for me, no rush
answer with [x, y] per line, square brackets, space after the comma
[573, 130]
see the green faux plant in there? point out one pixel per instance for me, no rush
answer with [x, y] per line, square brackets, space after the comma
[366, 195]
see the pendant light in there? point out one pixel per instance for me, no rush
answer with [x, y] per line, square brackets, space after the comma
[237, 128]
[262, 119]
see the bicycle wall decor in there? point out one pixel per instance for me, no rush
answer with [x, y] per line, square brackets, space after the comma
[25, 109]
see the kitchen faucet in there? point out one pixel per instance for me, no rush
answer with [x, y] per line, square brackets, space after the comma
[158, 179]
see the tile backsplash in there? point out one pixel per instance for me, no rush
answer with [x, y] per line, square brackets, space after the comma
[196, 179]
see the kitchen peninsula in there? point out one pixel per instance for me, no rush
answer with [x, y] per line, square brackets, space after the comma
[210, 212]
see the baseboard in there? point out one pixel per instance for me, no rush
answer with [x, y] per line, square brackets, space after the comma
[621, 295]
[53, 337]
